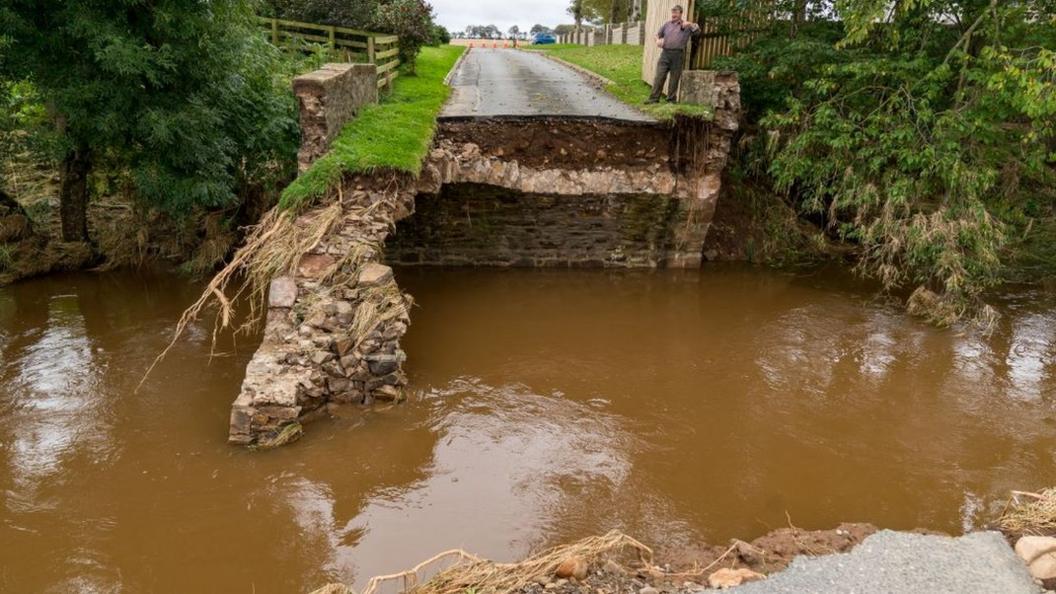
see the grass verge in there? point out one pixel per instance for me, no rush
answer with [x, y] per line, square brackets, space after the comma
[622, 64]
[393, 134]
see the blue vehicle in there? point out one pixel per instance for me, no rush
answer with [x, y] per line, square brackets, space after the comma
[543, 39]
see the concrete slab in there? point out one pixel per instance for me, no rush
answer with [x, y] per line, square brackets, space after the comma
[507, 82]
[896, 562]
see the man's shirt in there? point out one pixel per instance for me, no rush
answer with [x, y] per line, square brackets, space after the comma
[675, 36]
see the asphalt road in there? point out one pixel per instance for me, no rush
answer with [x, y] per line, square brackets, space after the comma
[901, 563]
[508, 82]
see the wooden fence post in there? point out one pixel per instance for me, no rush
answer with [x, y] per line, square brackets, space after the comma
[332, 31]
[370, 49]
[275, 32]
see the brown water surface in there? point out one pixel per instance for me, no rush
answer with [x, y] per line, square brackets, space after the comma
[546, 406]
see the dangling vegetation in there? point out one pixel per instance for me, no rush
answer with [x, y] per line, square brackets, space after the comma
[920, 131]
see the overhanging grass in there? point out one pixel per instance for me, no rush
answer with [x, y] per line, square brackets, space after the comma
[393, 134]
[622, 64]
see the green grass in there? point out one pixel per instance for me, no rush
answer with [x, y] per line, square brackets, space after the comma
[394, 134]
[622, 64]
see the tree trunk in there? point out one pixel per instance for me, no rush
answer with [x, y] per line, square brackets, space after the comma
[73, 195]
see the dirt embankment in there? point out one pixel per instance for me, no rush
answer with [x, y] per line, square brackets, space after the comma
[707, 565]
[566, 143]
[122, 232]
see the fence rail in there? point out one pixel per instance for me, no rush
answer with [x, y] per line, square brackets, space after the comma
[352, 44]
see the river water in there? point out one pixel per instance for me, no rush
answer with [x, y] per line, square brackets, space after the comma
[546, 406]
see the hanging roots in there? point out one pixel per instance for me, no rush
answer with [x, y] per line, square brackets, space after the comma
[470, 573]
[272, 248]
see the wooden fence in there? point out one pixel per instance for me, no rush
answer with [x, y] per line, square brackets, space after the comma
[724, 37]
[618, 34]
[353, 45]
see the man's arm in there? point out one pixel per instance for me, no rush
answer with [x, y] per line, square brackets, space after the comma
[660, 36]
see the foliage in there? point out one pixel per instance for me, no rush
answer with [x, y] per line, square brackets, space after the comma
[923, 134]
[622, 64]
[395, 134]
[441, 36]
[355, 14]
[412, 20]
[181, 96]
[483, 32]
[603, 11]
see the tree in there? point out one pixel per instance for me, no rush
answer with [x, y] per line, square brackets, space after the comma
[178, 94]
[356, 14]
[412, 20]
[921, 132]
[576, 10]
[536, 29]
[441, 36]
[514, 31]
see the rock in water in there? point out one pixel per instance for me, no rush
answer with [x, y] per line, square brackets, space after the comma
[1039, 553]
[573, 567]
[728, 578]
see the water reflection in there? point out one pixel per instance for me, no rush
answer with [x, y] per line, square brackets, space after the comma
[548, 405]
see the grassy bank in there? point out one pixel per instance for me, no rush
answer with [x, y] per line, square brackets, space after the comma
[393, 134]
[622, 64]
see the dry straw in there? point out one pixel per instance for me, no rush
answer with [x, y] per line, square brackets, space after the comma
[1030, 513]
[473, 574]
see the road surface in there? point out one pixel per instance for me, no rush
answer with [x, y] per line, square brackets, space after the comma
[508, 82]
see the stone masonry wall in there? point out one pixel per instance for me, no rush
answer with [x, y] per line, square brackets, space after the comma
[329, 98]
[334, 322]
[469, 224]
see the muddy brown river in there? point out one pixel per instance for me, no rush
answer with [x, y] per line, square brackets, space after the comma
[546, 406]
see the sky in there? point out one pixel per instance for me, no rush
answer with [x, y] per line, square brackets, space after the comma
[456, 14]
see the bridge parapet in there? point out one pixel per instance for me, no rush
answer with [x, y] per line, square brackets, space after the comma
[329, 98]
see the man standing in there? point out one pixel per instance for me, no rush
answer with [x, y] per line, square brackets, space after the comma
[673, 39]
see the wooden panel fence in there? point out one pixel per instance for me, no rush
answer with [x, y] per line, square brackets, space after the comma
[723, 37]
[351, 44]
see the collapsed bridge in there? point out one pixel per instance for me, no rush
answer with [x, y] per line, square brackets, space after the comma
[507, 183]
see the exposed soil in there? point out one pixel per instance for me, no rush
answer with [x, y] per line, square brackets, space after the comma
[568, 143]
[122, 232]
[690, 570]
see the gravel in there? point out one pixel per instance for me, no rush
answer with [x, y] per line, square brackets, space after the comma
[895, 562]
